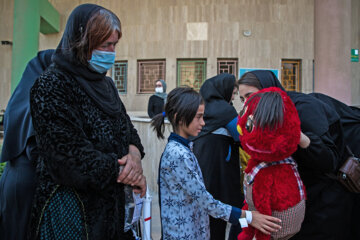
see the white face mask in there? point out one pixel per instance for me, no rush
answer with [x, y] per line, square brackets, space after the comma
[159, 90]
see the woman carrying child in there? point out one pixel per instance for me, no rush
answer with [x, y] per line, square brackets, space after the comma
[185, 204]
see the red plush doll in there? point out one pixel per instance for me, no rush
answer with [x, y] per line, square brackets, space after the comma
[270, 132]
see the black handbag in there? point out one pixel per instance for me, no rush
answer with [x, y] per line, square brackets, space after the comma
[349, 173]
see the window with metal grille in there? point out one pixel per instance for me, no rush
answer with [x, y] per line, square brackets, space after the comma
[191, 72]
[227, 66]
[291, 74]
[149, 71]
[119, 75]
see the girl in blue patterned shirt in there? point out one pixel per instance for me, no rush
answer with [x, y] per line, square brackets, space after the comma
[185, 204]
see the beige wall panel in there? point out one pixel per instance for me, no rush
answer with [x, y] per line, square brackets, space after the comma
[307, 78]
[171, 73]
[211, 68]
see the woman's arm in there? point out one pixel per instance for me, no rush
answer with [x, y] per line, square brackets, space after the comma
[319, 124]
[322, 153]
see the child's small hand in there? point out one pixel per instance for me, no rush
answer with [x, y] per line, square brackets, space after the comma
[266, 224]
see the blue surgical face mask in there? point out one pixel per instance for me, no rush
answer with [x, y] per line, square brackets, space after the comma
[101, 61]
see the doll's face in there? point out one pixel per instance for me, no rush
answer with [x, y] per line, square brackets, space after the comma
[266, 142]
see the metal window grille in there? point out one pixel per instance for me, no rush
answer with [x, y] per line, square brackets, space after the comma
[227, 66]
[290, 74]
[149, 71]
[191, 73]
[119, 75]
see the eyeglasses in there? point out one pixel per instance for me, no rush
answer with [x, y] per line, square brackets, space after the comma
[249, 126]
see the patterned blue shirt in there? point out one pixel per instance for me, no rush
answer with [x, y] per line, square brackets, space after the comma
[185, 202]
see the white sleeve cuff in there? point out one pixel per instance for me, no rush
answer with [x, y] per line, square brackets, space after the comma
[248, 217]
[243, 222]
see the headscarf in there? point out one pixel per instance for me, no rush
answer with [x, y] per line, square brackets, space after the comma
[267, 79]
[217, 92]
[315, 116]
[18, 126]
[100, 89]
[162, 95]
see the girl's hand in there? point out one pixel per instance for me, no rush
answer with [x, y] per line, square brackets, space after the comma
[266, 224]
[304, 140]
[132, 173]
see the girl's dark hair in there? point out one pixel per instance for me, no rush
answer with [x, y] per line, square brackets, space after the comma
[99, 28]
[269, 111]
[250, 79]
[181, 106]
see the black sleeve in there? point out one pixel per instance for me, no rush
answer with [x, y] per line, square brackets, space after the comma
[322, 154]
[134, 136]
[322, 125]
[68, 155]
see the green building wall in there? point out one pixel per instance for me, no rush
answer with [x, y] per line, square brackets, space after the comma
[30, 18]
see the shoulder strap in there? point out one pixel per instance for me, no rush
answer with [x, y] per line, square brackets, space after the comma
[251, 176]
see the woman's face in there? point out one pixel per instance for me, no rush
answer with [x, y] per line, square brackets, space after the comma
[245, 91]
[109, 44]
[158, 84]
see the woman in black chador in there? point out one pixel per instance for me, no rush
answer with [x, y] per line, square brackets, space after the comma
[19, 151]
[217, 148]
[157, 101]
[330, 208]
[84, 135]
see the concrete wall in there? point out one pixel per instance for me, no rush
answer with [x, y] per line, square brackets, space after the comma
[332, 48]
[159, 29]
[166, 29]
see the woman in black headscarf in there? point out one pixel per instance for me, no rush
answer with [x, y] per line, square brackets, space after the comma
[329, 205]
[157, 101]
[17, 182]
[217, 148]
[84, 135]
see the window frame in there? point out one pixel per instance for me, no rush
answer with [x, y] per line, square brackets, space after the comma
[113, 72]
[140, 63]
[194, 60]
